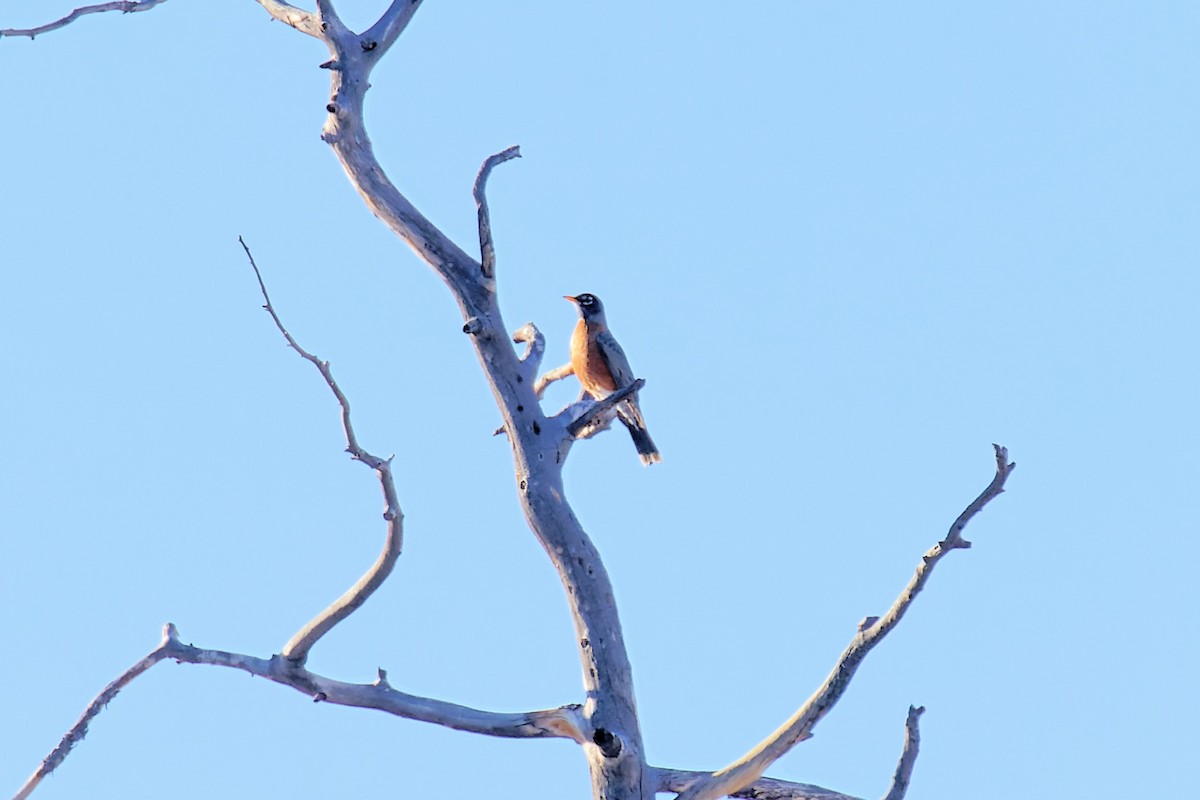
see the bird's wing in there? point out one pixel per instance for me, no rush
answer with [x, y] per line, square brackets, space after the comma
[614, 359]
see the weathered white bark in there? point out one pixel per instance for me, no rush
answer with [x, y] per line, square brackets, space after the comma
[540, 444]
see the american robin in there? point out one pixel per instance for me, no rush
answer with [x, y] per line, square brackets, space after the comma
[602, 368]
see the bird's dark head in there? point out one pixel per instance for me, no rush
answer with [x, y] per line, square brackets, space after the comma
[589, 305]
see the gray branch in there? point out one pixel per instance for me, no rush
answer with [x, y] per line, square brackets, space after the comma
[125, 7]
[384, 33]
[565, 722]
[614, 743]
[80, 729]
[298, 18]
[908, 757]
[751, 766]
[535, 348]
[678, 780]
[296, 650]
[602, 408]
[556, 374]
[487, 249]
[561, 723]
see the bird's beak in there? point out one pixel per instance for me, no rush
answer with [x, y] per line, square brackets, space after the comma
[572, 299]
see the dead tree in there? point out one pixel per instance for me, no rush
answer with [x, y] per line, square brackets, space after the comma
[605, 723]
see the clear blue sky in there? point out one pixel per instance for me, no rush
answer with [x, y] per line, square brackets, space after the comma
[849, 246]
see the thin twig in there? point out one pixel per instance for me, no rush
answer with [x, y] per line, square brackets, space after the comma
[908, 757]
[601, 407]
[296, 650]
[751, 766]
[487, 250]
[80, 729]
[556, 374]
[125, 7]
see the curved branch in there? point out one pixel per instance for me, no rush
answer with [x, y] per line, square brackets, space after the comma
[125, 7]
[80, 728]
[908, 757]
[535, 348]
[296, 650]
[678, 780]
[487, 250]
[751, 766]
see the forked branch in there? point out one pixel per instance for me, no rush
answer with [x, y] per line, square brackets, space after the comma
[297, 649]
[125, 7]
[751, 766]
[565, 722]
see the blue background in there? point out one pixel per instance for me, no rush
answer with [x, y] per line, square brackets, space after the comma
[849, 246]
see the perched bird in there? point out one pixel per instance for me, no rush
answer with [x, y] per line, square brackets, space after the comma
[602, 368]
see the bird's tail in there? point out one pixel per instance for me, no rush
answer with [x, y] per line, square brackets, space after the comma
[647, 451]
[631, 415]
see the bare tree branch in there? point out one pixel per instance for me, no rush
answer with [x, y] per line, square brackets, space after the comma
[297, 649]
[384, 33]
[556, 374]
[614, 750]
[565, 722]
[751, 766]
[908, 757]
[531, 359]
[601, 408]
[487, 250]
[678, 780]
[80, 729]
[125, 7]
[331, 23]
[298, 18]
[535, 348]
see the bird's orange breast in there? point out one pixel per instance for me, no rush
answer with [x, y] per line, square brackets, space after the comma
[588, 364]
